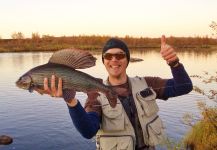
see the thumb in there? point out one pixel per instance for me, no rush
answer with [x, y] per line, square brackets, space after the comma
[163, 41]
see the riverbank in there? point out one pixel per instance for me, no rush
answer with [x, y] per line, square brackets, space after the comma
[206, 48]
[96, 43]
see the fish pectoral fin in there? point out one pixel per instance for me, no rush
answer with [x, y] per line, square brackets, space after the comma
[40, 91]
[92, 95]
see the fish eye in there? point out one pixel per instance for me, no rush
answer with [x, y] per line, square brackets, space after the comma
[22, 78]
[25, 79]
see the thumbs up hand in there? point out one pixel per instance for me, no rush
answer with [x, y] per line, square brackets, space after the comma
[168, 53]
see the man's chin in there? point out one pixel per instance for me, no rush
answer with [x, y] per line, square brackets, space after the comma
[116, 75]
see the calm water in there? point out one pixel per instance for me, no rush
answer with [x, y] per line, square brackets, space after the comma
[39, 122]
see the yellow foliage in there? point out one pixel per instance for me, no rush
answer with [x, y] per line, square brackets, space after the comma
[203, 135]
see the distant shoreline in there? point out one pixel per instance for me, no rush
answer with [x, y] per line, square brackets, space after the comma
[95, 43]
[185, 48]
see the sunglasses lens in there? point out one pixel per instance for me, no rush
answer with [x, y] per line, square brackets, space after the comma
[118, 56]
[107, 56]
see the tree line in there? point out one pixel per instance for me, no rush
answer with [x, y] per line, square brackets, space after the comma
[18, 42]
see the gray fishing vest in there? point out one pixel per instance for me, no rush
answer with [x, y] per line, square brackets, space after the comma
[116, 131]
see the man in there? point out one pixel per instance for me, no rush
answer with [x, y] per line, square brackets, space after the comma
[133, 123]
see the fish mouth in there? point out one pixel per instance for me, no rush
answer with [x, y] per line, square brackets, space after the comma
[28, 87]
[22, 85]
[25, 82]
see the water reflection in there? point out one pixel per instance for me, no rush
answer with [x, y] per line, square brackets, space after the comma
[33, 119]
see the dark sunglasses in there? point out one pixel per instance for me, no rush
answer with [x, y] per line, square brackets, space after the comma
[118, 56]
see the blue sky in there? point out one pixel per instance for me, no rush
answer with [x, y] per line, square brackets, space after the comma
[146, 18]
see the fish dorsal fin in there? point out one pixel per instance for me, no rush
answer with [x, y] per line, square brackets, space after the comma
[74, 58]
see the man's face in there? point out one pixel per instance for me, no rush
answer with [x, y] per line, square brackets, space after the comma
[115, 61]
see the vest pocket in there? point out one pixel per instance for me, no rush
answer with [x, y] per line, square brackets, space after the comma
[109, 142]
[155, 131]
[148, 104]
[113, 118]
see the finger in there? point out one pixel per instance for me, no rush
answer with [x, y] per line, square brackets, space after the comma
[46, 88]
[163, 40]
[170, 56]
[40, 91]
[60, 88]
[172, 59]
[53, 85]
[167, 51]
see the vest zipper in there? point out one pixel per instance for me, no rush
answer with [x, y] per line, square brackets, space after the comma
[149, 124]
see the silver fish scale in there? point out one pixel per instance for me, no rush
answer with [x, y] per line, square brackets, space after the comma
[72, 79]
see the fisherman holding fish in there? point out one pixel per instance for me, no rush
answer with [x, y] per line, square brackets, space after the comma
[122, 113]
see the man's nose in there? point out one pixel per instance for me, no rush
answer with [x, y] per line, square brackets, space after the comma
[114, 58]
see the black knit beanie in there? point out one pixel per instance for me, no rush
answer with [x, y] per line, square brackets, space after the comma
[116, 43]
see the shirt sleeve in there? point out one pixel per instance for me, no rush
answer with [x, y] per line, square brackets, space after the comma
[158, 85]
[87, 123]
[180, 84]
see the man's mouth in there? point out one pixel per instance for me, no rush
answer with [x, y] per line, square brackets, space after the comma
[115, 66]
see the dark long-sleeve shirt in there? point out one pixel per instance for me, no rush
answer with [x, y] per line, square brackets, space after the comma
[87, 121]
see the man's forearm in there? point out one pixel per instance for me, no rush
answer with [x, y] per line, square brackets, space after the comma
[180, 84]
[86, 123]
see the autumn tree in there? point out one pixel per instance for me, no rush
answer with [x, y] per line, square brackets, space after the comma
[35, 36]
[213, 25]
[47, 36]
[17, 35]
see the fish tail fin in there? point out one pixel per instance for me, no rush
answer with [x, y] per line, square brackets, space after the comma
[112, 95]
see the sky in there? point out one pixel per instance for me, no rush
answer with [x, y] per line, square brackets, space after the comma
[136, 18]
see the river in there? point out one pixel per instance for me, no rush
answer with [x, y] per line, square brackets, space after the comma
[40, 122]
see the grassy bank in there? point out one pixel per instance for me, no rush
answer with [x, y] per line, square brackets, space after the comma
[204, 133]
[50, 43]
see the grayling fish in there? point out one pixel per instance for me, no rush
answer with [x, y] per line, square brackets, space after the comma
[63, 64]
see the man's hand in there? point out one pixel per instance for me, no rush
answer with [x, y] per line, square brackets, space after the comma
[168, 52]
[52, 90]
[67, 94]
